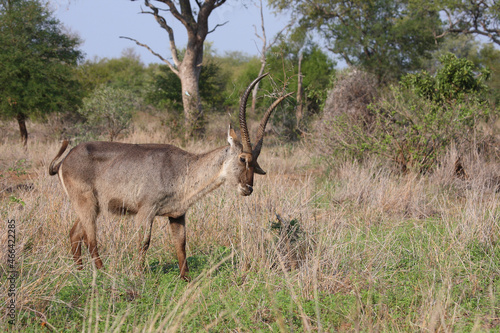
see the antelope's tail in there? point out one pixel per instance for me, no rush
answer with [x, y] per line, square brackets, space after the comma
[53, 167]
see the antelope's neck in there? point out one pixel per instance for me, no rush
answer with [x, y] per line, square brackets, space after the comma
[205, 174]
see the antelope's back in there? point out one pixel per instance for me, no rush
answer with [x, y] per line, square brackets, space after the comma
[126, 171]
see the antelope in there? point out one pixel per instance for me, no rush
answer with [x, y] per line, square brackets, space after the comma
[149, 180]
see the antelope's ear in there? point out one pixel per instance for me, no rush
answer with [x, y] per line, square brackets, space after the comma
[231, 136]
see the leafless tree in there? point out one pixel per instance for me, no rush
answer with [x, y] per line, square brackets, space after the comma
[195, 21]
[264, 49]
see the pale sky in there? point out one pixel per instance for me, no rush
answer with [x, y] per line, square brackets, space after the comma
[100, 23]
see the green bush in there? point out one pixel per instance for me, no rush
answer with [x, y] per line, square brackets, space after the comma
[415, 121]
[456, 80]
[415, 131]
[425, 114]
[108, 111]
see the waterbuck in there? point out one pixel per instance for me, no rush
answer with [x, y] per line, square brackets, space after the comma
[149, 180]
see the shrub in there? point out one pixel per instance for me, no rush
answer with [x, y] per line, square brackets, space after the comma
[345, 115]
[424, 114]
[414, 131]
[456, 80]
[108, 110]
[414, 122]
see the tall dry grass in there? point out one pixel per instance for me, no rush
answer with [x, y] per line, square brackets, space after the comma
[357, 234]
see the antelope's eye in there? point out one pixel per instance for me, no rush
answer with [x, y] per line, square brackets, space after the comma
[242, 160]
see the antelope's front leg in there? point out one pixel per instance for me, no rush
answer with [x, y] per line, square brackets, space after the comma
[145, 218]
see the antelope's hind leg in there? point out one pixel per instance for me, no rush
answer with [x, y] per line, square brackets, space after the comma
[84, 229]
[178, 228]
[76, 238]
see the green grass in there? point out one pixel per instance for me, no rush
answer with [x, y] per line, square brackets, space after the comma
[221, 299]
[419, 272]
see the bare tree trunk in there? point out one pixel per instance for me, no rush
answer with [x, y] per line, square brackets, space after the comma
[188, 70]
[189, 73]
[21, 120]
[300, 92]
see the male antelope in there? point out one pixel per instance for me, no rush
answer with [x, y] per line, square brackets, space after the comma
[151, 180]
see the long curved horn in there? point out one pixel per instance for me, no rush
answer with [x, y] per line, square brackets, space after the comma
[263, 123]
[245, 137]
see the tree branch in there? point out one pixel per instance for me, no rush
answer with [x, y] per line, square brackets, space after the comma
[180, 17]
[218, 3]
[281, 32]
[216, 26]
[205, 11]
[474, 20]
[263, 38]
[163, 23]
[172, 68]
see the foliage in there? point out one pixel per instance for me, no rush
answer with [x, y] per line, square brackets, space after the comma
[489, 57]
[419, 118]
[238, 80]
[471, 17]
[482, 55]
[415, 132]
[437, 111]
[462, 46]
[387, 38]
[455, 80]
[166, 89]
[233, 65]
[317, 71]
[38, 60]
[127, 72]
[222, 78]
[109, 110]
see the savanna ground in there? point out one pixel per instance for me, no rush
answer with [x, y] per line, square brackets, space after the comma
[318, 246]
